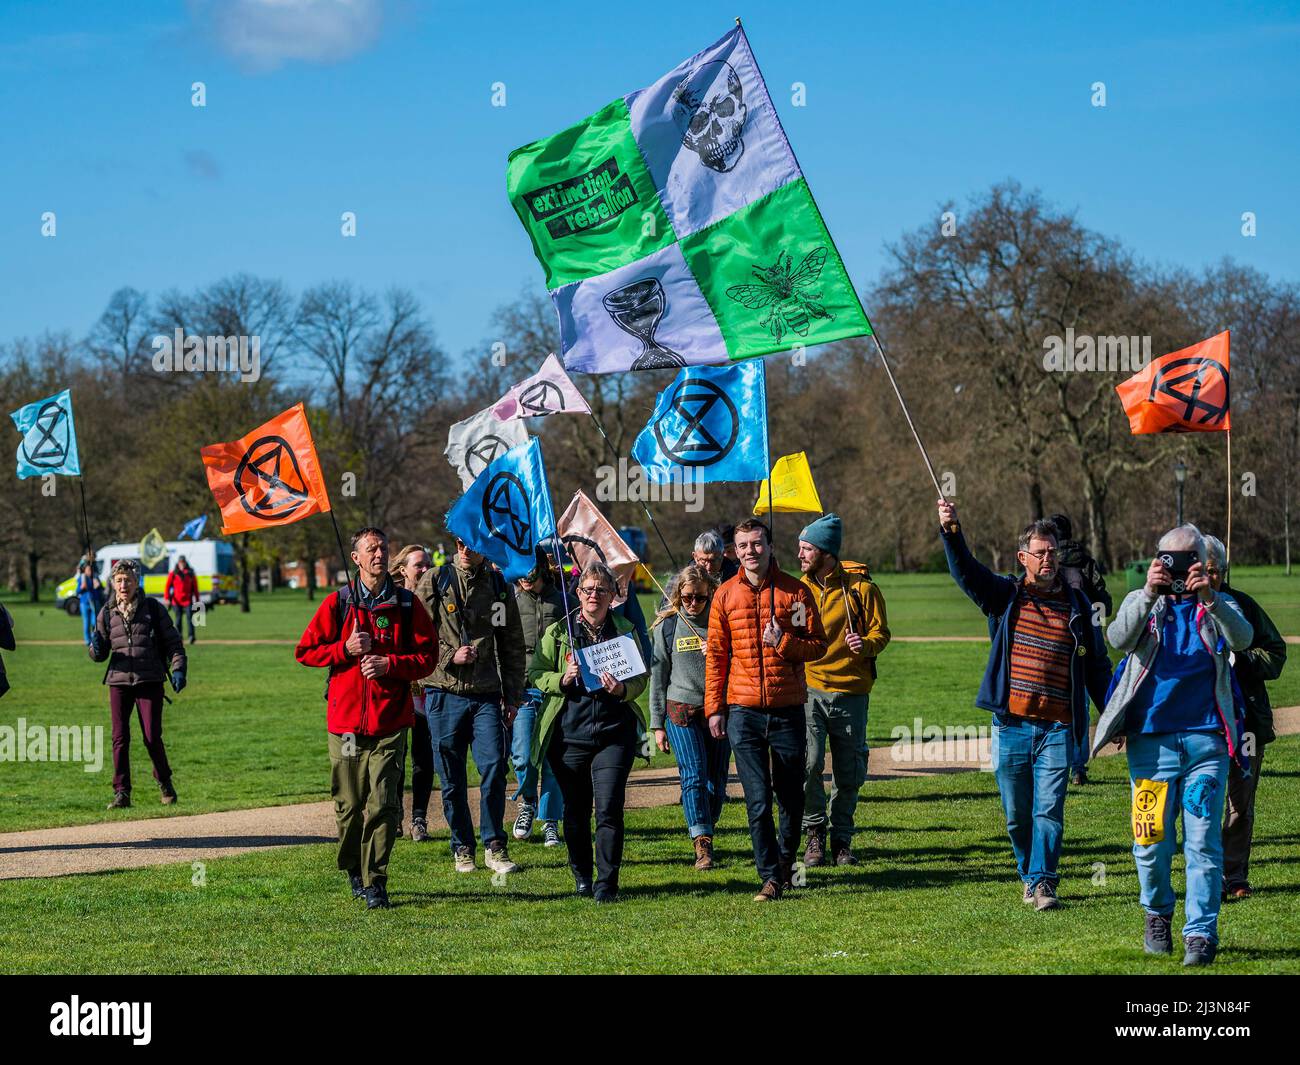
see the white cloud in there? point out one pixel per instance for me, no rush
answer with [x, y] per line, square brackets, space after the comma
[264, 34]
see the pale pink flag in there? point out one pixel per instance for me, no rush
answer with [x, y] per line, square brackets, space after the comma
[548, 391]
[587, 535]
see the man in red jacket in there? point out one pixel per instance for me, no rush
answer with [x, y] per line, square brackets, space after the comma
[181, 593]
[374, 639]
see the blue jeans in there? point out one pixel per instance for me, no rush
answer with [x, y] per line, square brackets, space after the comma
[702, 766]
[1194, 767]
[551, 807]
[1031, 761]
[88, 612]
[457, 723]
[769, 747]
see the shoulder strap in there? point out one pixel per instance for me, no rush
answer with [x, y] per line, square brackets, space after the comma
[406, 604]
[670, 631]
[344, 595]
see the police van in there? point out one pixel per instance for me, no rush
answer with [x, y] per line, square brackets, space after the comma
[213, 563]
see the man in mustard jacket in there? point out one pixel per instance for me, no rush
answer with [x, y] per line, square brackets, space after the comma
[839, 686]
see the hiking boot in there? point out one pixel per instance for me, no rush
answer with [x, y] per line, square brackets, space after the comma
[464, 860]
[1157, 939]
[419, 830]
[551, 834]
[769, 892]
[843, 854]
[358, 885]
[377, 898]
[815, 853]
[168, 793]
[703, 852]
[524, 822]
[1199, 951]
[121, 800]
[1028, 894]
[1045, 896]
[787, 876]
[497, 858]
[1079, 776]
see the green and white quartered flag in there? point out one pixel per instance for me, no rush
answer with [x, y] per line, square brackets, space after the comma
[675, 226]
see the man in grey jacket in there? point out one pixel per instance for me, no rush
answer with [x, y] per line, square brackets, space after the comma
[1174, 705]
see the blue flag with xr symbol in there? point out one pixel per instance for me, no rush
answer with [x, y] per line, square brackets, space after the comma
[49, 443]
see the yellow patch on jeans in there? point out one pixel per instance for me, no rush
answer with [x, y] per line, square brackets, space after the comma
[1149, 810]
[688, 643]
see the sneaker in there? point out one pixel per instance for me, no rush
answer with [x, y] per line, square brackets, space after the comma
[769, 892]
[419, 830]
[377, 898]
[121, 800]
[815, 853]
[1199, 951]
[1028, 894]
[358, 885]
[1079, 776]
[1045, 896]
[1157, 938]
[464, 860]
[704, 852]
[551, 834]
[843, 854]
[168, 793]
[497, 858]
[524, 822]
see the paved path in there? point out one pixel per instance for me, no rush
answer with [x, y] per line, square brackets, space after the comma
[202, 837]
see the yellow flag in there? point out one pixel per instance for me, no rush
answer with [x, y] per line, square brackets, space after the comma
[793, 491]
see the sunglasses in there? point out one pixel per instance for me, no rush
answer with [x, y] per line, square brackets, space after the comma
[595, 590]
[692, 597]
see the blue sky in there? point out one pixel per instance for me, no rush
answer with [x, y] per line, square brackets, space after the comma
[384, 108]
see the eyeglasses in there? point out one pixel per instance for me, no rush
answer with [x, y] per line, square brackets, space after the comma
[692, 597]
[1042, 555]
[598, 590]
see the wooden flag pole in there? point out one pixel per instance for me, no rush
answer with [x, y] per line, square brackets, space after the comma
[1228, 542]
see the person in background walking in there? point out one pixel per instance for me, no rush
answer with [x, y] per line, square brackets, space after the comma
[406, 569]
[6, 643]
[145, 649]
[1261, 661]
[375, 639]
[763, 627]
[182, 592]
[1173, 706]
[677, 706]
[1080, 571]
[589, 737]
[839, 686]
[90, 597]
[540, 606]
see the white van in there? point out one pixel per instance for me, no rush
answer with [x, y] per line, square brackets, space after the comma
[213, 563]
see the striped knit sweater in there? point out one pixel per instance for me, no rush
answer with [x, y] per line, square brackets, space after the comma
[1041, 647]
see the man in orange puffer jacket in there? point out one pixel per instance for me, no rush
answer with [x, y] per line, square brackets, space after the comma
[754, 692]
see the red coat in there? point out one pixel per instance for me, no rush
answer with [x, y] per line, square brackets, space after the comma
[738, 666]
[364, 707]
[182, 588]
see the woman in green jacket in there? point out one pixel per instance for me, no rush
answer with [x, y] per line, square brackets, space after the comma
[589, 738]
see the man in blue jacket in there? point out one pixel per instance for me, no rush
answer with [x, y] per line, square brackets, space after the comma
[1046, 658]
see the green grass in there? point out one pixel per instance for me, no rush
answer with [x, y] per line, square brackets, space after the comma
[936, 892]
[249, 728]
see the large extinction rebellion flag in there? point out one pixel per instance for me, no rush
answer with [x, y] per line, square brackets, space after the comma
[675, 227]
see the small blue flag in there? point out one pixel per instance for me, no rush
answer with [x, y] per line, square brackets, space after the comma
[507, 510]
[194, 529]
[49, 442]
[710, 424]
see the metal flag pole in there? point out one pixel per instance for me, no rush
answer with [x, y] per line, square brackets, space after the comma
[81, 484]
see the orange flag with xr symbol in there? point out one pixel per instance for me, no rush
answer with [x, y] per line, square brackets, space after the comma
[269, 477]
[1185, 391]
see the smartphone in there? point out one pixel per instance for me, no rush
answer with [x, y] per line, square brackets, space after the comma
[1178, 563]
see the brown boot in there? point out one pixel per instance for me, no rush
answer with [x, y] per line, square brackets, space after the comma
[704, 852]
[815, 853]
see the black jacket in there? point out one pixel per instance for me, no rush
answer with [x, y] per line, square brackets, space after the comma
[1261, 661]
[6, 643]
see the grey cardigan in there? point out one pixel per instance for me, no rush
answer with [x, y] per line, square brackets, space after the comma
[1136, 629]
[676, 673]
